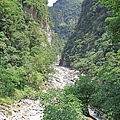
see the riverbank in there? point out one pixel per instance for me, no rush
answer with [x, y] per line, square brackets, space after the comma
[29, 109]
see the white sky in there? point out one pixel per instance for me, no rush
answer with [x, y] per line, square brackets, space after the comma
[50, 2]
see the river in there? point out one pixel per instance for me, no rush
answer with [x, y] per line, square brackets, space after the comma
[63, 77]
[28, 109]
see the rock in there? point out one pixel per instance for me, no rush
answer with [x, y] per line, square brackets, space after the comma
[63, 77]
[24, 110]
[28, 109]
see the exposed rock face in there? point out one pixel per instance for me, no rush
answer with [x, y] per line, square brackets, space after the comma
[49, 34]
[45, 26]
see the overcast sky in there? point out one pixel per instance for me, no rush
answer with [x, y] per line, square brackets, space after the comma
[50, 2]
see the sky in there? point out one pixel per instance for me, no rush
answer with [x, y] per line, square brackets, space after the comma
[50, 2]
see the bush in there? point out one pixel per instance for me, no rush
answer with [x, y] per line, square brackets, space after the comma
[83, 89]
[61, 106]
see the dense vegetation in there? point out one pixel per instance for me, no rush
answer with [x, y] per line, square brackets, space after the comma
[25, 53]
[65, 14]
[94, 49]
[61, 105]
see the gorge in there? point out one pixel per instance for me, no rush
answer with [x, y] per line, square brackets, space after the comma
[85, 83]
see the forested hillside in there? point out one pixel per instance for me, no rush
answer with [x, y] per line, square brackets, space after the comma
[65, 14]
[94, 49]
[84, 40]
[26, 47]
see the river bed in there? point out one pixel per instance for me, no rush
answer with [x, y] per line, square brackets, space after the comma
[28, 109]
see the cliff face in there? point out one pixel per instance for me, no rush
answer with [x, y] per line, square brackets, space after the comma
[84, 40]
[39, 15]
[92, 18]
[65, 14]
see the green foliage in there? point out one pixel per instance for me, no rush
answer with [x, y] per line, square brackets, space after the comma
[83, 90]
[115, 19]
[57, 44]
[96, 53]
[110, 69]
[82, 43]
[6, 78]
[107, 97]
[5, 100]
[39, 8]
[64, 15]
[61, 106]
[25, 53]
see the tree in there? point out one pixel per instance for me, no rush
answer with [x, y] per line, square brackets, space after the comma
[114, 26]
[25, 53]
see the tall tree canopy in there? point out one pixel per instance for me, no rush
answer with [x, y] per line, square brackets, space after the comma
[25, 53]
[114, 25]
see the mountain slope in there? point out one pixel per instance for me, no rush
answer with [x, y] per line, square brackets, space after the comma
[65, 14]
[90, 27]
[25, 52]
[95, 52]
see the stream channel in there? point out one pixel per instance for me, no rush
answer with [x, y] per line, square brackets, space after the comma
[28, 109]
